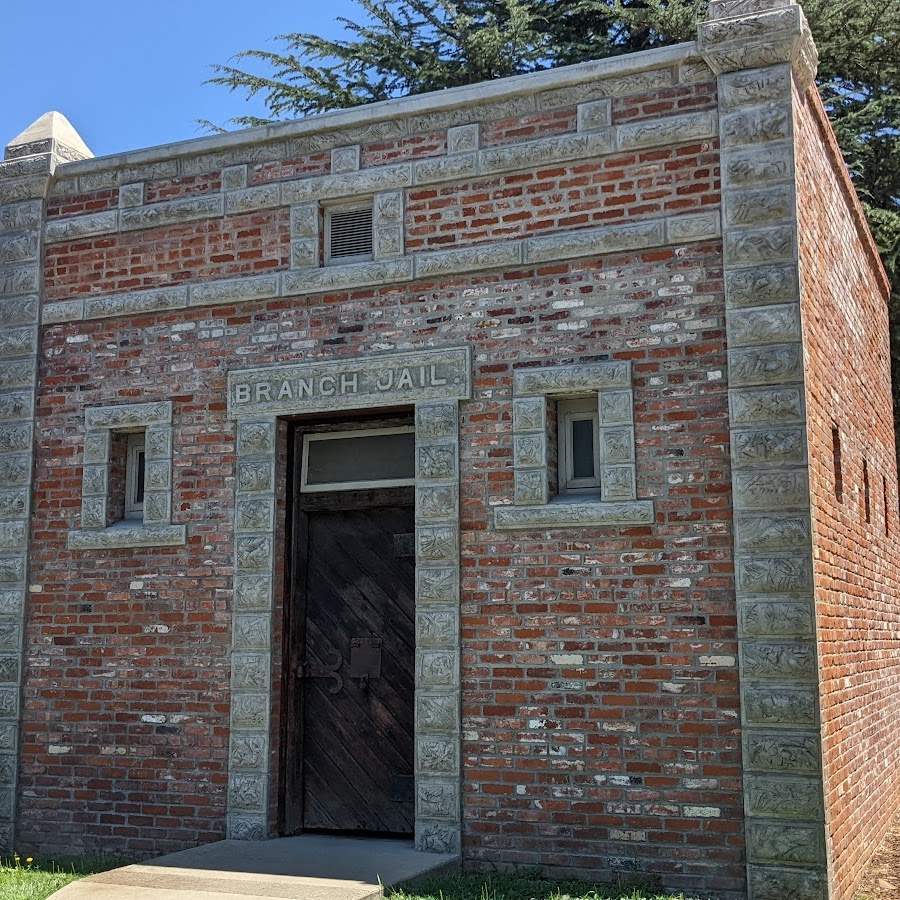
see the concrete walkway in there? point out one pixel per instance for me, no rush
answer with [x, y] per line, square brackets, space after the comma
[308, 867]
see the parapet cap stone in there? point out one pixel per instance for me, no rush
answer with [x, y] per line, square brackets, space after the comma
[51, 133]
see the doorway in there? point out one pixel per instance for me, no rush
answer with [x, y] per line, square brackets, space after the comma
[350, 638]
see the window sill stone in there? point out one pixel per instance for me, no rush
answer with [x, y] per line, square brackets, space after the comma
[574, 515]
[127, 534]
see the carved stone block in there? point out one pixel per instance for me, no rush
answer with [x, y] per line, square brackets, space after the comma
[249, 711]
[757, 165]
[437, 799]
[436, 543]
[16, 405]
[437, 584]
[529, 154]
[170, 212]
[770, 364]
[388, 241]
[306, 220]
[158, 442]
[255, 475]
[437, 669]
[436, 420]
[96, 446]
[617, 445]
[766, 883]
[26, 216]
[531, 487]
[788, 752]
[771, 490]
[667, 131]
[253, 552]
[345, 159]
[437, 712]
[762, 285]
[247, 752]
[247, 792]
[751, 88]
[436, 461]
[158, 474]
[530, 450]
[14, 470]
[18, 280]
[353, 275]
[247, 828]
[18, 311]
[771, 705]
[124, 534]
[775, 574]
[776, 618]
[157, 507]
[792, 844]
[436, 838]
[9, 702]
[250, 671]
[93, 480]
[595, 241]
[17, 374]
[305, 253]
[759, 207]
[12, 536]
[19, 248]
[530, 414]
[445, 168]
[693, 227]
[463, 138]
[451, 262]
[574, 515]
[758, 125]
[768, 447]
[352, 184]
[781, 662]
[234, 178]
[617, 483]
[252, 592]
[93, 512]
[594, 115]
[13, 504]
[129, 415]
[255, 514]
[234, 290]
[436, 502]
[749, 248]
[583, 378]
[616, 408]
[131, 195]
[256, 438]
[265, 196]
[767, 406]
[437, 627]
[388, 208]
[772, 532]
[437, 756]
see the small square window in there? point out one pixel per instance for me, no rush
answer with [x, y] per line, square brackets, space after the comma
[579, 447]
[135, 476]
[349, 234]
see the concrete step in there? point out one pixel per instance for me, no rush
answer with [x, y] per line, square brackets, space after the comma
[307, 867]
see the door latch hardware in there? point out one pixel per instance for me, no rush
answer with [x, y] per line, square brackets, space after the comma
[365, 658]
[303, 670]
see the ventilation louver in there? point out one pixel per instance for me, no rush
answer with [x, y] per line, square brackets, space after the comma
[350, 234]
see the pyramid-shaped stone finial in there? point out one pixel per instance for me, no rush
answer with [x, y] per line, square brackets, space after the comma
[51, 133]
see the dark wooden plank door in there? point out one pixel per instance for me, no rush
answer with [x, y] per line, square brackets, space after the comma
[356, 686]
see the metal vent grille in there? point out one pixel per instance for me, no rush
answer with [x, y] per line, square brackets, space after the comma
[350, 234]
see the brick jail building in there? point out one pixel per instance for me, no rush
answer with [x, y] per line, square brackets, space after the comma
[511, 467]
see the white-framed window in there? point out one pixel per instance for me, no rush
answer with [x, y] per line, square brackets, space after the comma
[352, 460]
[349, 233]
[135, 476]
[579, 446]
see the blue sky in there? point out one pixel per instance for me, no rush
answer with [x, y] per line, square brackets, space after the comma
[130, 74]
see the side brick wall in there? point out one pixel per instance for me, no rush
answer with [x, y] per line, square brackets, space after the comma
[853, 488]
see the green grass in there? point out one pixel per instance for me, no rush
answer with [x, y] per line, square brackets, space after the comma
[38, 879]
[522, 887]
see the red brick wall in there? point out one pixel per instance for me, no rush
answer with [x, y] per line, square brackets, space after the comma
[599, 675]
[856, 563]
